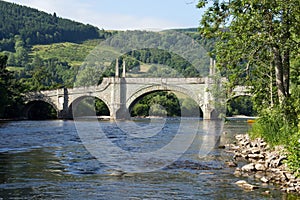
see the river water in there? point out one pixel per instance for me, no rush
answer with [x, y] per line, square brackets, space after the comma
[49, 160]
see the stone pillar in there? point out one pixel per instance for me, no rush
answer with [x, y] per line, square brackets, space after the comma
[63, 101]
[114, 102]
[124, 69]
[123, 112]
[212, 67]
[209, 113]
[117, 68]
[118, 100]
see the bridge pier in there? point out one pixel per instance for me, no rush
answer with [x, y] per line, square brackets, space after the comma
[209, 114]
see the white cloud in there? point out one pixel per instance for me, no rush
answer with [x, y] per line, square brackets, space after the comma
[85, 12]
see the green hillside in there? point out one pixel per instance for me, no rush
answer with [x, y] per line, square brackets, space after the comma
[72, 53]
[36, 27]
[45, 51]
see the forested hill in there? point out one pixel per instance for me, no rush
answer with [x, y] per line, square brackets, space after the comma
[36, 27]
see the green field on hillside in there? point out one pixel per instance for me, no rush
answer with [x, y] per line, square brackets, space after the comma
[72, 53]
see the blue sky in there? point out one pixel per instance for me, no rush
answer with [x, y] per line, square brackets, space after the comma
[123, 14]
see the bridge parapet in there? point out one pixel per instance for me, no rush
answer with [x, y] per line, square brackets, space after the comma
[241, 91]
[174, 81]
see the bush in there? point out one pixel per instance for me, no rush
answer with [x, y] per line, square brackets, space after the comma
[273, 127]
[280, 126]
[294, 153]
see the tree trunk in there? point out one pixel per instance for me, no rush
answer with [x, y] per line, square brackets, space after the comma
[286, 72]
[279, 74]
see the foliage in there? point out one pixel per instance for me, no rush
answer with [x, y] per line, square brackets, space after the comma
[101, 108]
[257, 44]
[72, 53]
[282, 128]
[164, 48]
[294, 153]
[159, 104]
[256, 40]
[41, 111]
[3, 83]
[273, 126]
[36, 27]
[174, 62]
[46, 74]
[241, 105]
[91, 106]
[164, 103]
[190, 108]
[140, 110]
[10, 99]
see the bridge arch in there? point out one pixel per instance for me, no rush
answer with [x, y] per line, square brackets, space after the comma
[240, 104]
[42, 109]
[132, 100]
[79, 99]
[239, 95]
[240, 91]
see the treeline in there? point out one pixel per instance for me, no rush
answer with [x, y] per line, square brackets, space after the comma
[10, 92]
[157, 56]
[185, 52]
[46, 74]
[35, 73]
[36, 27]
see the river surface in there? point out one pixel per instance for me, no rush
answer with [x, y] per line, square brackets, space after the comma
[49, 160]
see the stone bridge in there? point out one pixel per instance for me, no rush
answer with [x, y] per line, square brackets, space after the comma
[120, 94]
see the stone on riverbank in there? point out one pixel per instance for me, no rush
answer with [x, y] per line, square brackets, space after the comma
[266, 165]
[248, 168]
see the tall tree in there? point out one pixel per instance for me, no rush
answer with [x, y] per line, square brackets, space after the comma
[10, 92]
[256, 41]
[3, 84]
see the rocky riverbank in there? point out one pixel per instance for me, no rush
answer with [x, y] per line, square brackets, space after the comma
[265, 164]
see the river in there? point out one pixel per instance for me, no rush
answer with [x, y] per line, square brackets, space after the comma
[48, 160]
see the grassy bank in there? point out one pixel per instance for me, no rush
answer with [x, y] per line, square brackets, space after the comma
[281, 126]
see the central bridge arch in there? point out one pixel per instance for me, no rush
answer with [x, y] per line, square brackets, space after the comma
[156, 88]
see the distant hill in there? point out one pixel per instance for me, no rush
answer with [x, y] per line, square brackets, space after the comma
[36, 27]
[187, 30]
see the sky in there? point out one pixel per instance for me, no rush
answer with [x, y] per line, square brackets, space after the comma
[123, 14]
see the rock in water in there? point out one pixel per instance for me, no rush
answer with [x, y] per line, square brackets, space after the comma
[245, 185]
[117, 173]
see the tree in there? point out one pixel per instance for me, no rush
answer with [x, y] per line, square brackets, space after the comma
[256, 41]
[3, 84]
[10, 98]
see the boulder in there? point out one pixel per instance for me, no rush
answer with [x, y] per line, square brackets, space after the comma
[291, 189]
[264, 180]
[248, 168]
[260, 167]
[243, 184]
[255, 156]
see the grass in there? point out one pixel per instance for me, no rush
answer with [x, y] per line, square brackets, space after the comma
[282, 128]
[72, 53]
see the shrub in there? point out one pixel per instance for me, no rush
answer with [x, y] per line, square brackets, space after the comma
[294, 153]
[280, 126]
[273, 127]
